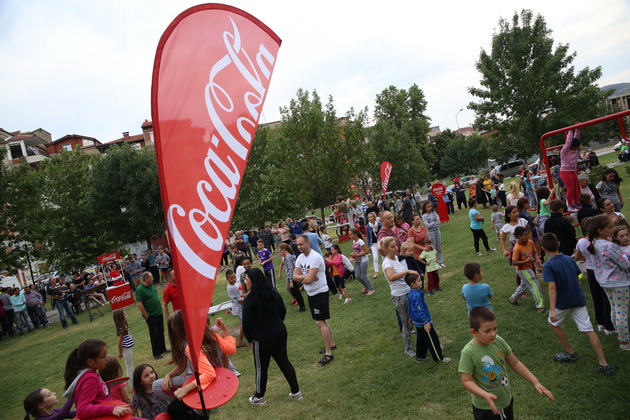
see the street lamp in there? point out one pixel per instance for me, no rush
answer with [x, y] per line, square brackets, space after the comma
[457, 122]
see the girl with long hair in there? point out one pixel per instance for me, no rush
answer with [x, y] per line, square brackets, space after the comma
[432, 222]
[145, 400]
[125, 342]
[359, 253]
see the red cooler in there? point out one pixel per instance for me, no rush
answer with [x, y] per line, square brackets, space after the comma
[120, 296]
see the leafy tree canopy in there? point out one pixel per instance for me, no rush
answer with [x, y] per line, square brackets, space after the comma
[464, 155]
[528, 87]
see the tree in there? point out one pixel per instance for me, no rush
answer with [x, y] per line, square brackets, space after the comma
[437, 148]
[263, 196]
[529, 88]
[318, 154]
[69, 222]
[399, 136]
[125, 195]
[464, 155]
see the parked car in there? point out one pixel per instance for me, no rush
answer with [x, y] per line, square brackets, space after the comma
[510, 169]
[465, 181]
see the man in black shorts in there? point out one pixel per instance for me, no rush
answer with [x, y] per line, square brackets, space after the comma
[310, 271]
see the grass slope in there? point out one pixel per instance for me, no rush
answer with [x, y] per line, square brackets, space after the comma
[370, 378]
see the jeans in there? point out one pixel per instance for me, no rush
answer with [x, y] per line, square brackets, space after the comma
[360, 273]
[21, 319]
[37, 315]
[62, 305]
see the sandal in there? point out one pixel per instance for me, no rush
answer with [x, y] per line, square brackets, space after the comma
[323, 351]
[326, 359]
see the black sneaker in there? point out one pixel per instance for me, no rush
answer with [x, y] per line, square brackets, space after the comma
[301, 310]
[606, 370]
[565, 357]
[326, 359]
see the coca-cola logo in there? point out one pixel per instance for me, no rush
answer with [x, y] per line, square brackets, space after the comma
[438, 189]
[103, 259]
[109, 258]
[121, 297]
[198, 226]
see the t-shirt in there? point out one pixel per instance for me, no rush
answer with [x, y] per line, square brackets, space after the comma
[488, 367]
[305, 263]
[171, 295]
[148, 296]
[477, 294]
[562, 270]
[431, 258]
[581, 246]
[475, 224]
[235, 297]
[523, 252]
[327, 241]
[609, 191]
[264, 255]
[498, 219]
[509, 229]
[418, 237]
[397, 287]
[383, 233]
[544, 208]
[357, 246]
[162, 261]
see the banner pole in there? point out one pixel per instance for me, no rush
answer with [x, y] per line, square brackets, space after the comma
[203, 402]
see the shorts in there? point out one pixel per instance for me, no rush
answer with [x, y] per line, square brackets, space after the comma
[505, 414]
[340, 282]
[579, 315]
[319, 306]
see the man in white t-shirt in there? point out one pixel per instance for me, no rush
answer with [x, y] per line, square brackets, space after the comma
[310, 271]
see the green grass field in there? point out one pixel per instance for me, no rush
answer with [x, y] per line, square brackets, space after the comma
[371, 377]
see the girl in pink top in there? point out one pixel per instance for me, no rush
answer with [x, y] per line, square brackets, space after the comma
[111, 371]
[85, 386]
[337, 271]
[569, 155]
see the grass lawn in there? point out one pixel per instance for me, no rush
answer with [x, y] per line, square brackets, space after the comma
[371, 377]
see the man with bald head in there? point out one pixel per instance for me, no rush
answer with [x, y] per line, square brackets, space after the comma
[387, 220]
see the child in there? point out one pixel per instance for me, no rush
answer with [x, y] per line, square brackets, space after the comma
[497, 220]
[608, 187]
[543, 194]
[484, 372]
[266, 260]
[294, 286]
[476, 227]
[587, 210]
[622, 238]
[326, 239]
[569, 155]
[395, 272]
[145, 401]
[125, 342]
[563, 229]
[215, 350]
[601, 305]
[611, 271]
[429, 258]
[432, 222]
[566, 299]
[39, 404]
[420, 317]
[337, 271]
[524, 256]
[473, 292]
[360, 255]
[85, 386]
[113, 370]
[236, 297]
[406, 254]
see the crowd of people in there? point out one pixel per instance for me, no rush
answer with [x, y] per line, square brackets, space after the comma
[403, 238]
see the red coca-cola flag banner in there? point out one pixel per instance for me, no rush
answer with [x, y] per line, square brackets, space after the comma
[439, 191]
[211, 74]
[386, 171]
[107, 258]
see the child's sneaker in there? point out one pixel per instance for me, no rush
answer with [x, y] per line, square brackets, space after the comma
[340, 296]
[512, 301]
[565, 357]
[421, 359]
[610, 332]
[625, 347]
[492, 250]
[430, 293]
[370, 292]
[410, 353]
[479, 254]
[296, 396]
[446, 359]
[606, 370]
[348, 300]
[600, 328]
[257, 401]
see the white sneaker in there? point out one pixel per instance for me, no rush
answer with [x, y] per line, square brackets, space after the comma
[600, 328]
[347, 301]
[340, 296]
[479, 254]
[610, 332]
[296, 396]
[625, 347]
[410, 353]
[446, 359]
[492, 250]
[257, 401]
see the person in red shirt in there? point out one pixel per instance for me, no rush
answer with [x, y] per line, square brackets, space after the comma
[171, 294]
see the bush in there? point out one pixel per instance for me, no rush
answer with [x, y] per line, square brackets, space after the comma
[596, 174]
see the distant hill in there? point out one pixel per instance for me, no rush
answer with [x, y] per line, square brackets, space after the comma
[618, 88]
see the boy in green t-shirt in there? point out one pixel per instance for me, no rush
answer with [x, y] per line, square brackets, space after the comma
[483, 368]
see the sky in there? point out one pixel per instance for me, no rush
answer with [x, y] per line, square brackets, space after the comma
[84, 66]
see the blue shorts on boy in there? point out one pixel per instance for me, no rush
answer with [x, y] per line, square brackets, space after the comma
[477, 294]
[488, 367]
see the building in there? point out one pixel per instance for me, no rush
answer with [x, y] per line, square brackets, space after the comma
[29, 147]
[620, 95]
[70, 142]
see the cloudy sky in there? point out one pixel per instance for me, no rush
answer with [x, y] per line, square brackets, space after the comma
[84, 66]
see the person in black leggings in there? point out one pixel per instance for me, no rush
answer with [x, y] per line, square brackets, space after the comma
[263, 326]
[476, 227]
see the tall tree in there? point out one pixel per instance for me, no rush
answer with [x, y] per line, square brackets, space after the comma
[125, 195]
[319, 153]
[437, 148]
[528, 87]
[465, 155]
[399, 136]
